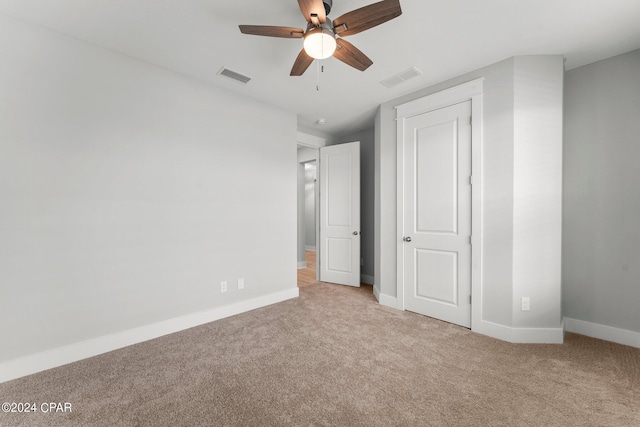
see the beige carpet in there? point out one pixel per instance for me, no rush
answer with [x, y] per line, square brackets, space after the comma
[334, 357]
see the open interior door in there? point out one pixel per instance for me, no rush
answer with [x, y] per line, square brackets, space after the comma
[339, 257]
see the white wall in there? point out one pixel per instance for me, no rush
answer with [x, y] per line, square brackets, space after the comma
[129, 192]
[522, 127]
[537, 189]
[601, 231]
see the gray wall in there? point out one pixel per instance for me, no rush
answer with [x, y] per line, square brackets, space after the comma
[129, 192]
[601, 227]
[367, 194]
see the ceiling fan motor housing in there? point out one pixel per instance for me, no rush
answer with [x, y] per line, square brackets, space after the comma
[327, 6]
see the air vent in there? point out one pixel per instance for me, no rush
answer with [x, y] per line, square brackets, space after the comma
[234, 75]
[401, 77]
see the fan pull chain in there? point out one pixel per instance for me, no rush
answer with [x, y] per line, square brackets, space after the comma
[319, 69]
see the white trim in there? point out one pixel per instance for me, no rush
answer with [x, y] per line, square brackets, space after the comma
[312, 141]
[383, 299]
[310, 248]
[302, 264]
[603, 332]
[477, 206]
[34, 363]
[472, 91]
[367, 279]
[444, 98]
[522, 335]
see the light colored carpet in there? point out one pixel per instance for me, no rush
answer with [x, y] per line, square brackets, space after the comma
[334, 357]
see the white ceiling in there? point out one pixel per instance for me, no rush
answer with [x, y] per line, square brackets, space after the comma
[442, 38]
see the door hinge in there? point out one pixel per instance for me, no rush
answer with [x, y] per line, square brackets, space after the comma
[470, 179]
[470, 120]
[470, 239]
[469, 299]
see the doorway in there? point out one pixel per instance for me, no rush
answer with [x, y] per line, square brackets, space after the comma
[307, 202]
[308, 275]
[310, 220]
[330, 226]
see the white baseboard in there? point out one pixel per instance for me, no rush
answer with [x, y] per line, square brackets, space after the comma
[38, 362]
[366, 279]
[302, 264]
[494, 330]
[310, 248]
[383, 299]
[603, 332]
[520, 335]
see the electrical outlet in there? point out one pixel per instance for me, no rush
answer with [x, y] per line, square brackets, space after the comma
[223, 286]
[525, 304]
[241, 283]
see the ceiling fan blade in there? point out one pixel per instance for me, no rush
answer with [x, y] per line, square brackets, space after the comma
[366, 17]
[302, 63]
[311, 8]
[271, 31]
[351, 55]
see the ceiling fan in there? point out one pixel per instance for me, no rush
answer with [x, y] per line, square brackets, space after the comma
[323, 37]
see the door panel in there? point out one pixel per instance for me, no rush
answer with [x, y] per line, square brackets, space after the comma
[339, 260]
[436, 169]
[437, 214]
[339, 255]
[435, 271]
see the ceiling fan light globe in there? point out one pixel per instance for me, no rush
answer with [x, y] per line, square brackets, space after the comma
[319, 43]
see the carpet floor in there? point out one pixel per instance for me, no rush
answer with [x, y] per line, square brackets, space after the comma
[334, 357]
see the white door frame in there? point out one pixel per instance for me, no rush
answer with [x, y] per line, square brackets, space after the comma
[470, 91]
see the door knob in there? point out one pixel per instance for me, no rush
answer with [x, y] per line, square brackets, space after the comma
[355, 233]
[406, 239]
